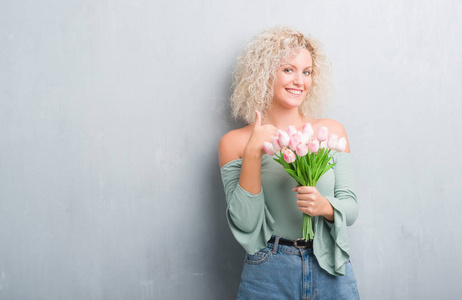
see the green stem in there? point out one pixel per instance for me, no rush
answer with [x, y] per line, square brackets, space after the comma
[307, 228]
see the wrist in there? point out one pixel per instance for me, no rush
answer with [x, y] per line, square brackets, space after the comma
[329, 213]
[252, 152]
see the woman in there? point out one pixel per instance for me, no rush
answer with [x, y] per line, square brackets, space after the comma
[281, 79]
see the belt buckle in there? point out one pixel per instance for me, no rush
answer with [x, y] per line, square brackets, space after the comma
[296, 245]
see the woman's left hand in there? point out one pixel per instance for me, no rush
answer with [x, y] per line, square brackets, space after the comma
[312, 203]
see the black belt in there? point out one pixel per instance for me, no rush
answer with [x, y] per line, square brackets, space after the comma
[298, 243]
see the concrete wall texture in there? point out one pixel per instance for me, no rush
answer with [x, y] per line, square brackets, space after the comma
[111, 112]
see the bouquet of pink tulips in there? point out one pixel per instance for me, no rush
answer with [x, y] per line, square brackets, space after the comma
[305, 157]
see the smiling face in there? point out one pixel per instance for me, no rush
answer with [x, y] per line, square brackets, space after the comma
[293, 80]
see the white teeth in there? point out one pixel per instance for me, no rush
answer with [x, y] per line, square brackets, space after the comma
[294, 92]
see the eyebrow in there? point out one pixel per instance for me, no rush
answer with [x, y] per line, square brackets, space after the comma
[287, 64]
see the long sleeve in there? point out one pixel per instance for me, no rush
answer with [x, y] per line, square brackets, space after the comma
[344, 200]
[248, 216]
[331, 239]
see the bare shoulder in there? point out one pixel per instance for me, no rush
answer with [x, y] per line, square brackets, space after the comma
[232, 144]
[335, 127]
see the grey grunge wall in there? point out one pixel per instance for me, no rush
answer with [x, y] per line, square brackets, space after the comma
[111, 113]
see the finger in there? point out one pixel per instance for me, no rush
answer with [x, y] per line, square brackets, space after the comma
[257, 118]
[301, 203]
[305, 197]
[306, 189]
[307, 210]
[274, 131]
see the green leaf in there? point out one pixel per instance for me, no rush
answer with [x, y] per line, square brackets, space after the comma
[326, 169]
[299, 180]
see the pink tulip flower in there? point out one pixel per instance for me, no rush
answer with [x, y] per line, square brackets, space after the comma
[276, 146]
[341, 144]
[289, 156]
[308, 130]
[302, 150]
[323, 144]
[313, 145]
[305, 138]
[268, 147]
[294, 141]
[301, 137]
[284, 138]
[332, 142]
[322, 133]
[292, 130]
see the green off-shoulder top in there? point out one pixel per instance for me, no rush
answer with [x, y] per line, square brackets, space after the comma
[254, 218]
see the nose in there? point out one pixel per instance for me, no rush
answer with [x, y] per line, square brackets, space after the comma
[298, 79]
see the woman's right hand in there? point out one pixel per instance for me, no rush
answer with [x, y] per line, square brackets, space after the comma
[260, 134]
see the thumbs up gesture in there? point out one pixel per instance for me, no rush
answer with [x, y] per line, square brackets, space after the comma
[260, 134]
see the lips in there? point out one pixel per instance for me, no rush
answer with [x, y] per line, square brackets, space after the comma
[294, 92]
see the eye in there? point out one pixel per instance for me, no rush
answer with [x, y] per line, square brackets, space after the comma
[288, 70]
[307, 73]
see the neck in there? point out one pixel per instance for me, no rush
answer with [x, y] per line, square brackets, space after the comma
[281, 118]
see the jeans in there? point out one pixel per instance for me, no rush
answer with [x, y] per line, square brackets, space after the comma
[285, 272]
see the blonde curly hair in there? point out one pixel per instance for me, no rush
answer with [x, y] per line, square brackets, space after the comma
[254, 73]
